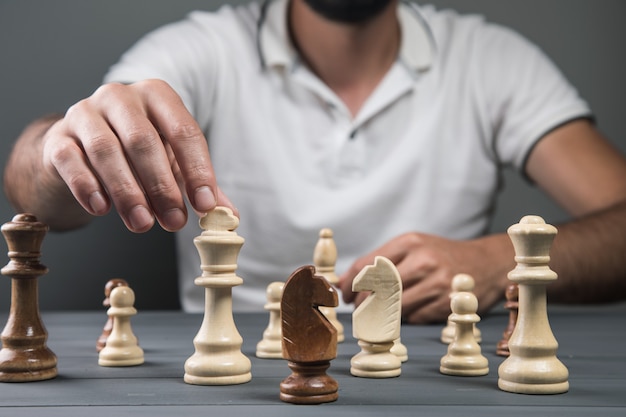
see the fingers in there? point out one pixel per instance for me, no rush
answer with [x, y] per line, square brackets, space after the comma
[127, 156]
[65, 156]
[187, 142]
[134, 147]
[427, 301]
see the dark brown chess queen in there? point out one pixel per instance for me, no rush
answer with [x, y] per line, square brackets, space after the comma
[24, 356]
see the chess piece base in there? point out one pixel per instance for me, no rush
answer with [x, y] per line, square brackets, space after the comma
[269, 350]
[309, 384]
[217, 371]
[533, 376]
[27, 366]
[520, 388]
[375, 361]
[113, 362]
[465, 369]
[218, 380]
[400, 350]
[502, 349]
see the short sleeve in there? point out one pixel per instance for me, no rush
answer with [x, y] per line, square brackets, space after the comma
[524, 94]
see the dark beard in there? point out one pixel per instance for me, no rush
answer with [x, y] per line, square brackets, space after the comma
[348, 11]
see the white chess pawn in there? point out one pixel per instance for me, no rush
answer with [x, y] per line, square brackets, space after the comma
[460, 283]
[324, 260]
[271, 346]
[121, 348]
[376, 321]
[464, 357]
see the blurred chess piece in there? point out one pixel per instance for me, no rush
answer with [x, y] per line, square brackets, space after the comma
[271, 346]
[511, 304]
[324, 260]
[460, 283]
[108, 326]
[400, 350]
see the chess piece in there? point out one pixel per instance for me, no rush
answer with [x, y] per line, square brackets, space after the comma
[218, 359]
[400, 350]
[108, 326]
[376, 321]
[511, 304]
[121, 348]
[464, 357]
[324, 259]
[460, 283]
[309, 339]
[24, 356]
[271, 346]
[532, 366]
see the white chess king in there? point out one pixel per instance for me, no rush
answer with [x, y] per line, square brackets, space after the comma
[218, 359]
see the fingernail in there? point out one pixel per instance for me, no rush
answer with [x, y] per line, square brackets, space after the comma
[97, 203]
[140, 218]
[174, 219]
[204, 199]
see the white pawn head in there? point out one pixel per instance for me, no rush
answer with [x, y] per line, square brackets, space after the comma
[464, 303]
[462, 283]
[122, 297]
[274, 292]
[326, 233]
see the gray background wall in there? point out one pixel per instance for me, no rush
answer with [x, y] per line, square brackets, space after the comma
[53, 53]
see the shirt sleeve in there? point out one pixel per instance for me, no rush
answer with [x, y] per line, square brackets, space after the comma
[524, 94]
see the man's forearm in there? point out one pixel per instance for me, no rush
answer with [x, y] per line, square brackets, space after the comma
[31, 189]
[589, 254]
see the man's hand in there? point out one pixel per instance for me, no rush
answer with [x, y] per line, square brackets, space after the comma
[427, 265]
[135, 147]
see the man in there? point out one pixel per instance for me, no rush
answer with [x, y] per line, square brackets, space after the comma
[382, 120]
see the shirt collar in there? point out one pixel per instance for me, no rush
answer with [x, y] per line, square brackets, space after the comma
[417, 45]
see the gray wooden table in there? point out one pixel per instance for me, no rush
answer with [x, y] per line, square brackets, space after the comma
[591, 345]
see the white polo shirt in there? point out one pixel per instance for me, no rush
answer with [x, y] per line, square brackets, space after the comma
[463, 99]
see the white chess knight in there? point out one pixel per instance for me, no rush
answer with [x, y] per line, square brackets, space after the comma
[376, 321]
[218, 359]
[121, 348]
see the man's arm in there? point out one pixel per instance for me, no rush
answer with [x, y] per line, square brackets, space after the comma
[582, 171]
[577, 167]
[134, 147]
[30, 188]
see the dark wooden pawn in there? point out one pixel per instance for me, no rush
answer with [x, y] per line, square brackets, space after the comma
[309, 339]
[24, 356]
[511, 304]
[108, 326]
